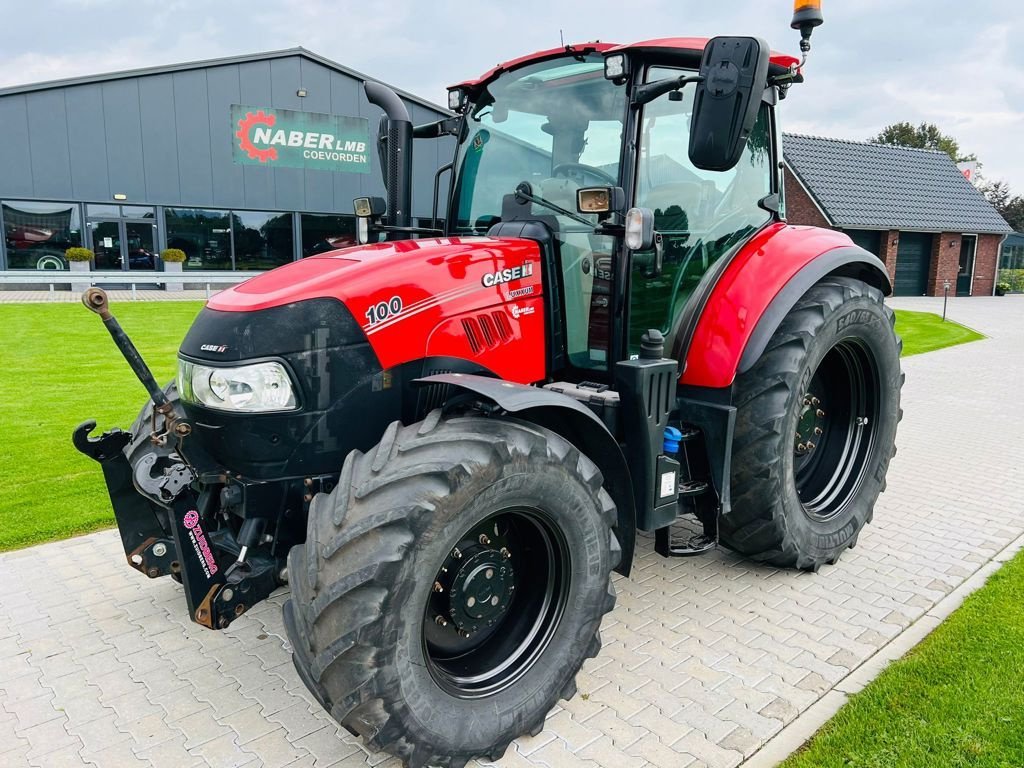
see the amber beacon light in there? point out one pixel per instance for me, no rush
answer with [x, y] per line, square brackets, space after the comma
[806, 16]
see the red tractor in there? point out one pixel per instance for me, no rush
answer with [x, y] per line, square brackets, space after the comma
[445, 440]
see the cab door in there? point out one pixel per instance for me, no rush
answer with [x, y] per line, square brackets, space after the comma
[701, 215]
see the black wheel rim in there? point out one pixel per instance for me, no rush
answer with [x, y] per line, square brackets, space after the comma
[496, 602]
[836, 427]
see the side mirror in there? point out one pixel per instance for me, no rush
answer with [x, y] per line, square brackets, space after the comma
[600, 200]
[368, 210]
[734, 72]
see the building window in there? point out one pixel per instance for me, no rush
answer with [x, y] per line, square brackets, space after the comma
[324, 232]
[262, 240]
[37, 234]
[204, 236]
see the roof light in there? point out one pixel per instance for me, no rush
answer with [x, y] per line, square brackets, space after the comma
[616, 67]
[806, 13]
[456, 98]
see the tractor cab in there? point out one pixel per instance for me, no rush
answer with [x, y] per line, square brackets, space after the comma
[616, 123]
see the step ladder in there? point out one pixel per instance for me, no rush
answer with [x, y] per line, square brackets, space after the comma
[695, 529]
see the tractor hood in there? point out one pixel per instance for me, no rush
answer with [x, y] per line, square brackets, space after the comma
[470, 298]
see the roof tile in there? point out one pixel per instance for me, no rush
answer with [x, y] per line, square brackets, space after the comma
[878, 186]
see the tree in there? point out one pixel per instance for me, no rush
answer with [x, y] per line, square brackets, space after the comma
[923, 136]
[1010, 206]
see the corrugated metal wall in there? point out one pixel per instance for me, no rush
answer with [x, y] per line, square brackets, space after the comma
[165, 139]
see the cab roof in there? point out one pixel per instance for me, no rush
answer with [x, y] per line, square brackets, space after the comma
[684, 48]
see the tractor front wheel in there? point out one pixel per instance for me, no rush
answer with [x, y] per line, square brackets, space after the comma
[452, 585]
[815, 428]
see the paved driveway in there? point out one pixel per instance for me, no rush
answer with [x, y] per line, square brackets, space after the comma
[704, 659]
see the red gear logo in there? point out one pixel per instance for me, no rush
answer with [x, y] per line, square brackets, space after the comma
[245, 126]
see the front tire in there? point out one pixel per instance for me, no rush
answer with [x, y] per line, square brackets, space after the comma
[815, 428]
[452, 585]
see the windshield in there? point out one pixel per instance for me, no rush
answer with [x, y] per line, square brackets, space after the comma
[556, 124]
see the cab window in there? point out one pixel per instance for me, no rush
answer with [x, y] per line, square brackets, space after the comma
[700, 214]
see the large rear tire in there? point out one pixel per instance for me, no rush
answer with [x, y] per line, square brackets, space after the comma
[815, 428]
[452, 585]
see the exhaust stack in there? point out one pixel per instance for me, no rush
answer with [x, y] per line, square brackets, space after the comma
[398, 150]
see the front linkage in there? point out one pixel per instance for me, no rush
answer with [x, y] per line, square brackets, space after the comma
[166, 494]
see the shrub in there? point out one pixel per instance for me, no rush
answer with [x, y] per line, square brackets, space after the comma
[173, 255]
[78, 254]
[1013, 278]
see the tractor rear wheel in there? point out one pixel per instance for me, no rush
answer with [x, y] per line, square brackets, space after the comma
[452, 585]
[815, 428]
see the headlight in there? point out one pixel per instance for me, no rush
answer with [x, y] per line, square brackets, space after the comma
[244, 389]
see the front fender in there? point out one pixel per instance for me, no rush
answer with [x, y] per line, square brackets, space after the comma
[759, 287]
[573, 421]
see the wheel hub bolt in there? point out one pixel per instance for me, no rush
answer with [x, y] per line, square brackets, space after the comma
[438, 587]
[819, 413]
[801, 448]
[484, 540]
[471, 602]
[505, 553]
[160, 549]
[810, 446]
[457, 553]
[463, 634]
[441, 621]
[494, 600]
[817, 430]
[489, 573]
[815, 401]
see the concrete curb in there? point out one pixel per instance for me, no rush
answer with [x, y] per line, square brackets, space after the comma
[807, 723]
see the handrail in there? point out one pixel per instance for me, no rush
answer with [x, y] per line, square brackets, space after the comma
[82, 280]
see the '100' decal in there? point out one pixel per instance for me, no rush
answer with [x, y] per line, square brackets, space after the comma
[382, 310]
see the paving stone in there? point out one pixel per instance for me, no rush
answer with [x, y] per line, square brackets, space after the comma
[703, 658]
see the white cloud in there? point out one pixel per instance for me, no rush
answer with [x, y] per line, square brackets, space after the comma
[959, 65]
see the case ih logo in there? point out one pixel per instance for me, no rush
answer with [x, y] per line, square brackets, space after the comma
[492, 279]
[283, 137]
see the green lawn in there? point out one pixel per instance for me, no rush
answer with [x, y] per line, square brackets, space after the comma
[955, 701]
[59, 367]
[925, 332]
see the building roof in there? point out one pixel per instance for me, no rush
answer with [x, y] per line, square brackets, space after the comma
[878, 186]
[206, 63]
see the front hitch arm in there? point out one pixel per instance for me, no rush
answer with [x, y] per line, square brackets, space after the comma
[95, 299]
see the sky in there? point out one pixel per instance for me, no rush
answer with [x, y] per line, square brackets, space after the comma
[959, 65]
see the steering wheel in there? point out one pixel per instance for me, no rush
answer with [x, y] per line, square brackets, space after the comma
[582, 168]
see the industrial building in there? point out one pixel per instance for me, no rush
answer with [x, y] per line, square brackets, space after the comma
[245, 162]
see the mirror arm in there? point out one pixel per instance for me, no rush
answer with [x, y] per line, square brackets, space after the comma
[448, 126]
[643, 94]
[524, 193]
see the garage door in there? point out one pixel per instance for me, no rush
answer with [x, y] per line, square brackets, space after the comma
[868, 239]
[913, 258]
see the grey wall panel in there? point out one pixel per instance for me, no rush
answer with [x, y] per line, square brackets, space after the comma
[87, 144]
[254, 85]
[192, 124]
[123, 126]
[48, 143]
[316, 79]
[223, 91]
[167, 138]
[159, 139]
[289, 183]
[15, 159]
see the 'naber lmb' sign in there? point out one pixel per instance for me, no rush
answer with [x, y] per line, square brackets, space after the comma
[285, 138]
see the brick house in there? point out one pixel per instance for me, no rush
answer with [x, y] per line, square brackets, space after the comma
[910, 207]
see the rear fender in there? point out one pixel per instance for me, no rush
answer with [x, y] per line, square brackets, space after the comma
[847, 261]
[573, 421]
[759, 287]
